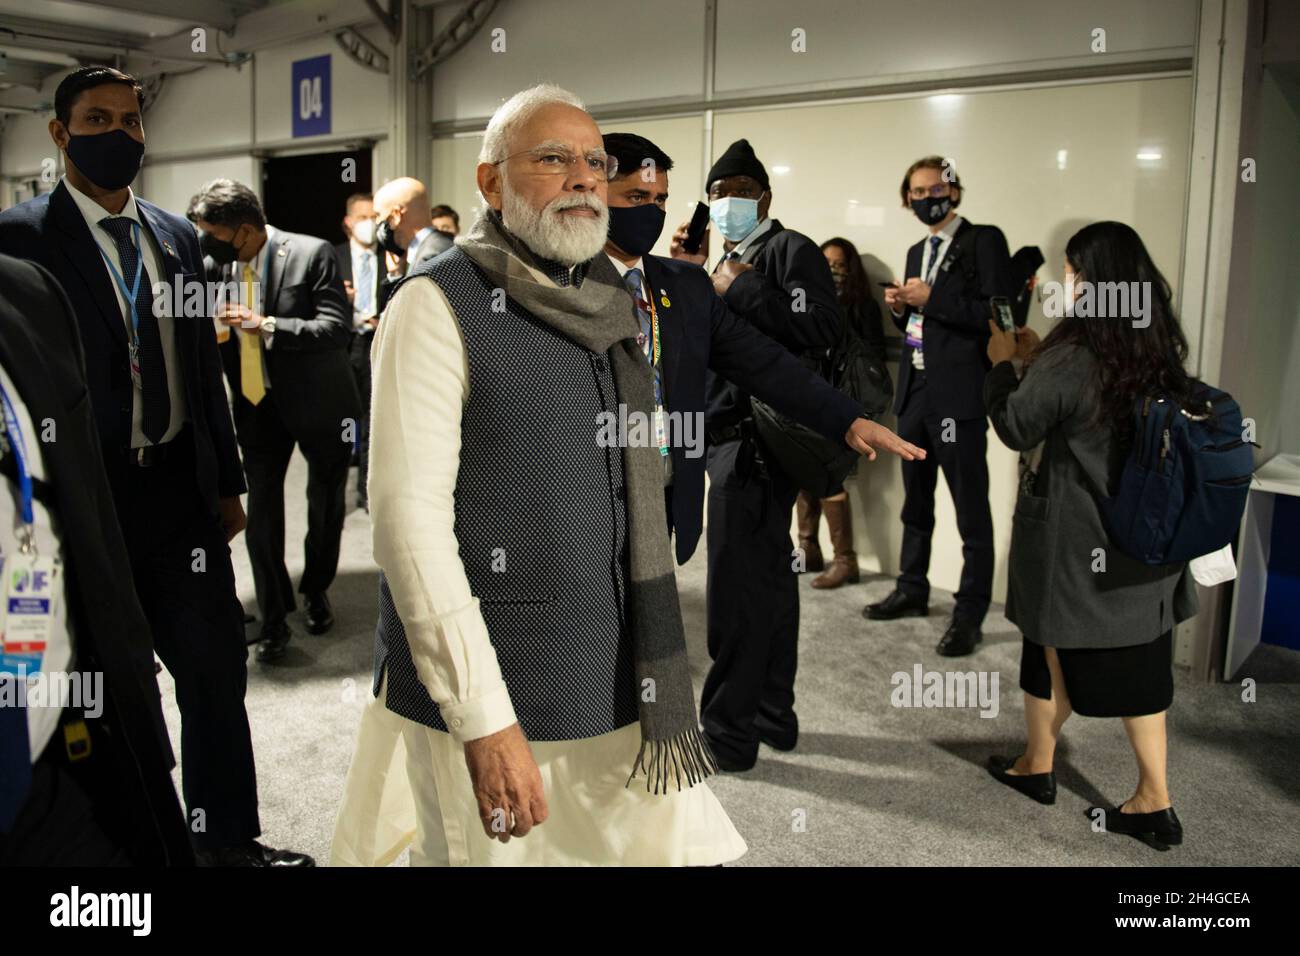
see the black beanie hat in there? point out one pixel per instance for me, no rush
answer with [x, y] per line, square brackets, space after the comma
[738, 160]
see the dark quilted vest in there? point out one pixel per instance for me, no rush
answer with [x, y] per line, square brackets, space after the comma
[540, 521]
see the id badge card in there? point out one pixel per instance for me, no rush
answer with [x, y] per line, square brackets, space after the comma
[133, 349]
[661, 430]
[913, 334]
[30, 594]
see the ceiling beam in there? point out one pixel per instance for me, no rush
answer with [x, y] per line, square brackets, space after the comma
[214, 13]
[25, 72]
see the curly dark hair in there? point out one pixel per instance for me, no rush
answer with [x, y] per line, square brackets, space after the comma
[1131, 361]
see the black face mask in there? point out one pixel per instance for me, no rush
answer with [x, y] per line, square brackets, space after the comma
[386, 239]
[109, 160]
[220, 251]
[635, 229]
[931, 209]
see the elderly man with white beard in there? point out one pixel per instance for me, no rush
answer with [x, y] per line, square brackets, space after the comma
[530, 653]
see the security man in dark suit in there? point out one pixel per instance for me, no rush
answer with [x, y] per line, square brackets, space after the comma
[154, 383]
[698, 333]
[286, 359]
[361, 267]
[943, 311]
[62, 802]
[777, 281]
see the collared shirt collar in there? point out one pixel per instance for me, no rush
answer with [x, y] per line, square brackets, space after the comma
[93, 212]
[624, 269]
[415, 243]
[258, 262]
[740, 248]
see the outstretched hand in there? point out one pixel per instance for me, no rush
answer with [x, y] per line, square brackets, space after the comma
[865, 436]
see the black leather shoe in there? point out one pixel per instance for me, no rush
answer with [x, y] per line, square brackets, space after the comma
[959, 640]
[1159, 830]
[729, 762]
[252, 853]
[274, 642]
[895, 606]
[1036, 786]
[778, 736]
[320, 616]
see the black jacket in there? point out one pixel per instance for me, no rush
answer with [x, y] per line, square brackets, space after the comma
[51, 231]
[41, 350]
[956, 332]
[789, 296]
[308, 359]
[701, 336]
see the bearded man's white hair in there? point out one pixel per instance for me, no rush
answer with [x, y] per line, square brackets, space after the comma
[547, 231]
[516, 111]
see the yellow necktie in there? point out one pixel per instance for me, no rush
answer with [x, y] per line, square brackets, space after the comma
[251, 383]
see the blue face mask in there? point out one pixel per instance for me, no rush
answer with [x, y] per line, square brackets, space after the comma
[735, 217]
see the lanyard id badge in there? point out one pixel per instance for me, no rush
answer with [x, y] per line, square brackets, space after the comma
[129, 293]
[30, 581]
[915, 330]
[654, 352]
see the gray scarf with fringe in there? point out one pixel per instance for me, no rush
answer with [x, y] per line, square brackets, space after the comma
[598, 316]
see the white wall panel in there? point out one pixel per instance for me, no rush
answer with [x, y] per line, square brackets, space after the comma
[606, 51]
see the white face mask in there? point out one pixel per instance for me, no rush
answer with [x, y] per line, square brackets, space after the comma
[363, 231]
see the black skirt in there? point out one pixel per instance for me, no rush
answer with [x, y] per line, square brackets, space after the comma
[1111, 682]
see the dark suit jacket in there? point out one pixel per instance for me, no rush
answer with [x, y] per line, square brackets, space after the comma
[343, 259]
[789, 296]
[51, 231]
[956, 331]
[701, 335]
[41, 350]
[308, 361]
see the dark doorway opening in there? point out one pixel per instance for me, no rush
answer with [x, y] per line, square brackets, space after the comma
[308, 194]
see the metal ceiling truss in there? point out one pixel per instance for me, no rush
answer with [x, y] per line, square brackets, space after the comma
[454, 35]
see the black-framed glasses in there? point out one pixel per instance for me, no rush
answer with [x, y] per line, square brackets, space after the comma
[935, 191]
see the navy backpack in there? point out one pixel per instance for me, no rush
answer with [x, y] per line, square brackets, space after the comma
[1184, 486]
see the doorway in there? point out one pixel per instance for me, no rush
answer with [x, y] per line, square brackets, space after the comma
[308, 194]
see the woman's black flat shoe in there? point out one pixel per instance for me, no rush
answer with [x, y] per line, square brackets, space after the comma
[1038, 786]
[1160, 830]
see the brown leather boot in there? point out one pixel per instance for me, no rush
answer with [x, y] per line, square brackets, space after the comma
[844, 566]
[809, 512]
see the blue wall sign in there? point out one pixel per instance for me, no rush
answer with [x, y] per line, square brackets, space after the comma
[311, 96]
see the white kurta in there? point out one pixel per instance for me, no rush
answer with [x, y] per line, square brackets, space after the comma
[408, 784]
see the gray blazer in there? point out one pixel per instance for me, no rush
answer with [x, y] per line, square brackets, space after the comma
[1057, 593]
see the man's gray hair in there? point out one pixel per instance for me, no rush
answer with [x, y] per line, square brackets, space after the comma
[514, 112]
[224, 202]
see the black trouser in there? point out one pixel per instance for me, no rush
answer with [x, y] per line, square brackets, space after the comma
[184, 578]
[360, 356]
[958, 446]
[268, 432]
[753, 602]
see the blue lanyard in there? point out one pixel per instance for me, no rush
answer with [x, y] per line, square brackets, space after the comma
[15, 433]
[130, 293]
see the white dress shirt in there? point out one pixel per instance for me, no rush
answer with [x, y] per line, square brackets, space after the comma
[929, 271]
[41, 721]
[363, 299]
[93, 212]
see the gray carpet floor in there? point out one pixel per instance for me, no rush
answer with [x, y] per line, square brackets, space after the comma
[869, 783]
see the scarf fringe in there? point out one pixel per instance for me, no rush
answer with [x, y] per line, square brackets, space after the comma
[683, 755]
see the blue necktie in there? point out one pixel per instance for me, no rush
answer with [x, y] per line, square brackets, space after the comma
[15, 763]
[153, 372]
[632, 279]
[366, 287]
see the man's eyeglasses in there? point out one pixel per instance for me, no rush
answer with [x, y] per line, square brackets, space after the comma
[937, 190]
[557, 161]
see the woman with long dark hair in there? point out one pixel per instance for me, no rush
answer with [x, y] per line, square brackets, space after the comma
[1097, 624]
[853, 289]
